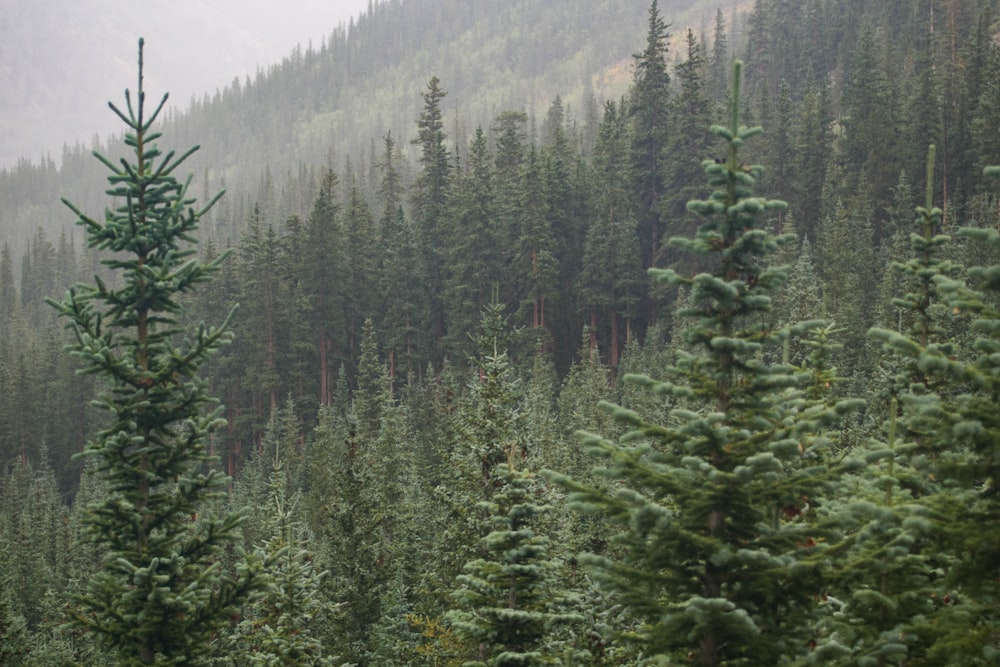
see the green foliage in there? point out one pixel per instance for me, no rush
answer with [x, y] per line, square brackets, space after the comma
[650, 104]
[509, 607]
[161, 594]
[279, 628]
[394, 430]
[716, 542]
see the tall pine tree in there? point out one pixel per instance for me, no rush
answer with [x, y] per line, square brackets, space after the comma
[715, 536]
[160, 595]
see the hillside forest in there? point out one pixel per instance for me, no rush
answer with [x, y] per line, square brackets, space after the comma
[702, 372]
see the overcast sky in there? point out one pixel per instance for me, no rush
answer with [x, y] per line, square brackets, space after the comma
[62, 60]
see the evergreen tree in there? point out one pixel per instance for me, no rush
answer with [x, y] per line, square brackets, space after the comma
[799, 299]
[259, 254]
[323, 273]
[403, 302]
[567, 190]
[279, 628]
[849, 271]
[509, 136]
[536, 261]
[508, 598]
[888, 591]
[871, 124]
[360, 246]
[948, 398]
[15, 645]
[650, 110]
[688, 143]
[430, 197]
[341, 516]
[161, 595]
[33, 524]
[715, 538]
[811, 157]
[611, 279]
[476, 250]
[719, 58]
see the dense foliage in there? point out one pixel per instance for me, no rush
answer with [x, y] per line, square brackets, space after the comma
[159, 595]
[792, 407]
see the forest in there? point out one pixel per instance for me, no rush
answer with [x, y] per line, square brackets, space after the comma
[698, 365]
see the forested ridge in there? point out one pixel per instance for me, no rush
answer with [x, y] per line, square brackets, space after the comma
[560, 379]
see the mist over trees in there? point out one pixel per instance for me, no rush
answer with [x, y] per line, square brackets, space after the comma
[702, 371]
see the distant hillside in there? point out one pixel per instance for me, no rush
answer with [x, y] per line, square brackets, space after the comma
[59, 61]
[368, 79]
[336, 100]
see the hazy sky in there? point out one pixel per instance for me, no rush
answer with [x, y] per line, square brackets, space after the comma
[62, 60]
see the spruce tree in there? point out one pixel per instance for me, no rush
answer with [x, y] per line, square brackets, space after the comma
[650, 111]
[280, 628]
[509, 607]
[954, 415]
[430, 195]
[160, 595]
[717, 546]
[888, 589]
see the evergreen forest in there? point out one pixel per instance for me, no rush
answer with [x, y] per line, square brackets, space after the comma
[520, 334]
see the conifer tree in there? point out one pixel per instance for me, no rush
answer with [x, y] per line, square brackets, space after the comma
[611, 281]
[15, 645]
[280, 628]
[323, 277]
[160, 595]
[508, 598]
[688, 142]
[429, 199]
[476, 250]
[949, 409]
[716, 539]
[650, 110]
[888, 587]
[403, 301]
[536, 259]
[361, 271]
[718, 62]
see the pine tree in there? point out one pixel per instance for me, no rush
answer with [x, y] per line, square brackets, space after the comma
[261, 296]
[719, 59]
[536, 252]
[508, 599]
[33, 523]
[871, 123]
[849, 271]
[811, 150]
[611, 280]
[716, 541]
[323, 277]
[688, 144]
[360, 246]
[161, 594]
[15, 646]
[887, 590]
[949, 409]
[280, 628]
[476, 250]
[403, 300]
[429, 200]
[650, 110]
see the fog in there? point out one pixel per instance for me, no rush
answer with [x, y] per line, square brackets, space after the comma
[62, 60]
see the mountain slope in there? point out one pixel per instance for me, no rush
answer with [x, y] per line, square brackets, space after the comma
[60, 61]
[366, 80]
